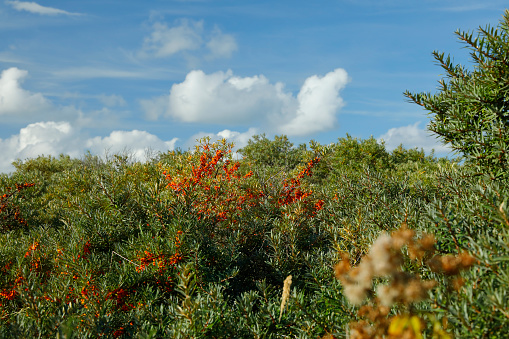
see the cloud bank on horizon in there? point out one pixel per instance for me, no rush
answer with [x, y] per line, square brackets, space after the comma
[414, 136]
[55, 138]
[168, 76]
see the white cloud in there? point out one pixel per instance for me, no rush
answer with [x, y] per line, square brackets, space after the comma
[134, 142]
[165, 41]
[319, 102]
[15, 100]
[187, 36]
[33, 7]
[44, 136]
[224, 98]
[221, 45]
[23, 106]
[48, 138]
[239, 139]
[412, 136]
[54, 138]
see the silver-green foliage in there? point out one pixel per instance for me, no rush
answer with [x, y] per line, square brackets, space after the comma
[471, 110]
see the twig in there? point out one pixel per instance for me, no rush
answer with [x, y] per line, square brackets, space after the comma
[122, 258]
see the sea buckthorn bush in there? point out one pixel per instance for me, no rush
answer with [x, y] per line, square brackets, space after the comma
[234, 215]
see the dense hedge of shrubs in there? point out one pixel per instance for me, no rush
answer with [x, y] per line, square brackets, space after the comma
[269, 241]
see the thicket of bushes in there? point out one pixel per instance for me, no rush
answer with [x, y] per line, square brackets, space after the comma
[198, 244]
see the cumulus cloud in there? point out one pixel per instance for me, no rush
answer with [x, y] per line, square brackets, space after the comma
[54, 138]
[45, 138]
[15, 100]
[319, 101]
[49, 138]
[239, 139]
[135, 142]
[222, 97]
[412, 136]
[186, 36]
[34, 7]
[22, 106]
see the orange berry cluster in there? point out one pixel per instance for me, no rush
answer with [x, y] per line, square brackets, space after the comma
[10, 293]
[35, 265]
[215, 186]
[292, 191]
[89, 291]
[216, 189]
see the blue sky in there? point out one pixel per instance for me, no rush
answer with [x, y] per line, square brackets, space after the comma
[108, 75]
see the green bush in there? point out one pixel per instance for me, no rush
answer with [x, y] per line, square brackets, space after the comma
[470, 112]
[191, 244]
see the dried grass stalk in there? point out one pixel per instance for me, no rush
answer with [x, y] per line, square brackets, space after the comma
[286, 294]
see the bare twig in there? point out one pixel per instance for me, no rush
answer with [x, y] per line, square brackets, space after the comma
[113, 252]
